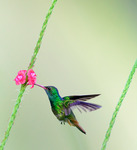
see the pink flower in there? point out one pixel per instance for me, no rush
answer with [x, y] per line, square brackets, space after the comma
[31, 77]
[21, 77]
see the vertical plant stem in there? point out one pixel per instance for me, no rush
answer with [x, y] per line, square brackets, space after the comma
[111, 124]
[13, 116]
[33, 59]
[23, 87]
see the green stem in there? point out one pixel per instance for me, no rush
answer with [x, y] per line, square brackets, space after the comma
[33, 59]
[12, 118]
[23, 87]
[111, 124]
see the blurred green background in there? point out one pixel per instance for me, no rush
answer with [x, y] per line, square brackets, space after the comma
[89, 47]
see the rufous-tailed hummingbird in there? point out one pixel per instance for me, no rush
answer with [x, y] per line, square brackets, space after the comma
[62, 106]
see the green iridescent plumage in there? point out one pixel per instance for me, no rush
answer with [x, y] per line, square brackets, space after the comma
[62, 106]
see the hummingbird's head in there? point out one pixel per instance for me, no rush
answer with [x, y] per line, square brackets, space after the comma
[50, 90]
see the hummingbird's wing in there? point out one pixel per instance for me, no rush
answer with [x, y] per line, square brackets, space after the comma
[71, 102]
[84, 106]
[80, 97]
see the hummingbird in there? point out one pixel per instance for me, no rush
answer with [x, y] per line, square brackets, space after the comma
[62, 106]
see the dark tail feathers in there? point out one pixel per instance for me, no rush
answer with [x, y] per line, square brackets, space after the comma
[76, 124]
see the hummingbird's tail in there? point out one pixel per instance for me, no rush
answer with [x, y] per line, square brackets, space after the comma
[76, 124]
[80, 128]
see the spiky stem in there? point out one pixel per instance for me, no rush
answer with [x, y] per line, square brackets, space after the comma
[111, 124]
[23, 87]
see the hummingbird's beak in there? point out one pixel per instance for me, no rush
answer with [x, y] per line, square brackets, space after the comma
[41, 86]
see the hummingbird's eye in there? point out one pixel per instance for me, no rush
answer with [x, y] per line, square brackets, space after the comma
[49, 88]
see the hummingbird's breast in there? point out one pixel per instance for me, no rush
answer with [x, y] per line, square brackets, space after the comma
[58, 110]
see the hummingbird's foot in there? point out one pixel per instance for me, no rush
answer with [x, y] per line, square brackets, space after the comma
[63, 122]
